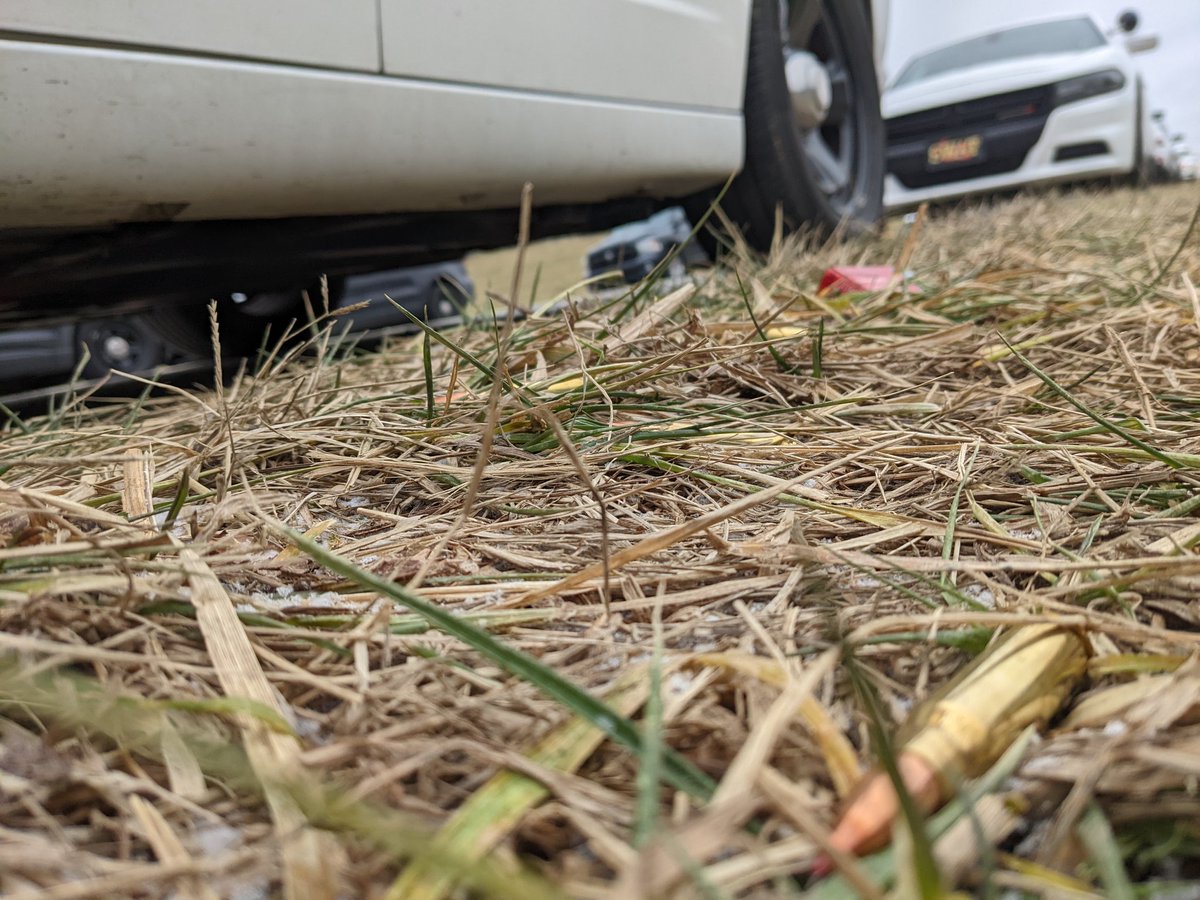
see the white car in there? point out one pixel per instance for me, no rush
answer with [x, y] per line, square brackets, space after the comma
[1046, 101]
[1189, 166]
[161, 149]
[1165, 150]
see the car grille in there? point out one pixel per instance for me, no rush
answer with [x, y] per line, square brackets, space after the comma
[1010, 123]
[932, 123]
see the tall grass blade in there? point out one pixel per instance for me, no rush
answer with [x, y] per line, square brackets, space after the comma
[1098, 839]
[1106, 424]
[676, 770]
[491, 813]
[650, 758]
[928, 880]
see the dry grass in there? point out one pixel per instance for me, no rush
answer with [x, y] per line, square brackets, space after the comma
[193, 705]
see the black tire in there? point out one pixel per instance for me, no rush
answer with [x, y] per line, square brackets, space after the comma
[127, 344]
[1139, 175]
[788, 166]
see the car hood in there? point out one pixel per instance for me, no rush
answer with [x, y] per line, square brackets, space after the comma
[999, 77]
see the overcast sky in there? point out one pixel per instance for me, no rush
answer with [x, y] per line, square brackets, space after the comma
[1172, 72]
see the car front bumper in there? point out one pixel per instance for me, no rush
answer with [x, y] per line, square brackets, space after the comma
[1088, 138]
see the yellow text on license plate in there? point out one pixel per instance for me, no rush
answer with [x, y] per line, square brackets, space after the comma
[954, 150]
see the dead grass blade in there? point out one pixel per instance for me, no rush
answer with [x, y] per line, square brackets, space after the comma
[492, 811]
[676, 770]
[659, 542]
[311, 859]
[1107, 425]
[904, 484]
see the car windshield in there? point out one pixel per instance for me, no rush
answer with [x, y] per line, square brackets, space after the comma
[1063, 36]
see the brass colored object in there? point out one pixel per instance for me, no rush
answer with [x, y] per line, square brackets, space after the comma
[1020, 680]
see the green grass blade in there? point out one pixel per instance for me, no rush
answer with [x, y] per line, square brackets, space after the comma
[427, 368]
[1106, 424]
[178, 501]
[881, 866]
[1170, 263]
[454, 348]
[925, 866]
[647, 283]
[650, 759]
[952, 523]
[230, 707]
[782, 363]
[676, 770]
[490, 814]
[1101, 844]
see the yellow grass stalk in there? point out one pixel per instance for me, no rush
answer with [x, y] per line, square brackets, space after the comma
[491, 813]
[310, 857]
[840, 757]
[169, 849]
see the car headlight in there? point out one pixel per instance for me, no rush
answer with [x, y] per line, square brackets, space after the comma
[1103, 82]
[649, 246]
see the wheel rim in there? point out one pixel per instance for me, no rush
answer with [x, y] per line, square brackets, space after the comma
[816, 67]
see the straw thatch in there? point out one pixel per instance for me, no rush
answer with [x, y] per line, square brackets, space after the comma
[722, 510]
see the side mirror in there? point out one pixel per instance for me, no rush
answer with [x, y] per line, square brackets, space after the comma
[1127, 21]
[1141, 43]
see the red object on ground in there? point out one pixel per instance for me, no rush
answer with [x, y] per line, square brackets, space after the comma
[849, 279]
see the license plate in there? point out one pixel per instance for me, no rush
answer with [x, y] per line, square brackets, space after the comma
[955, 150]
